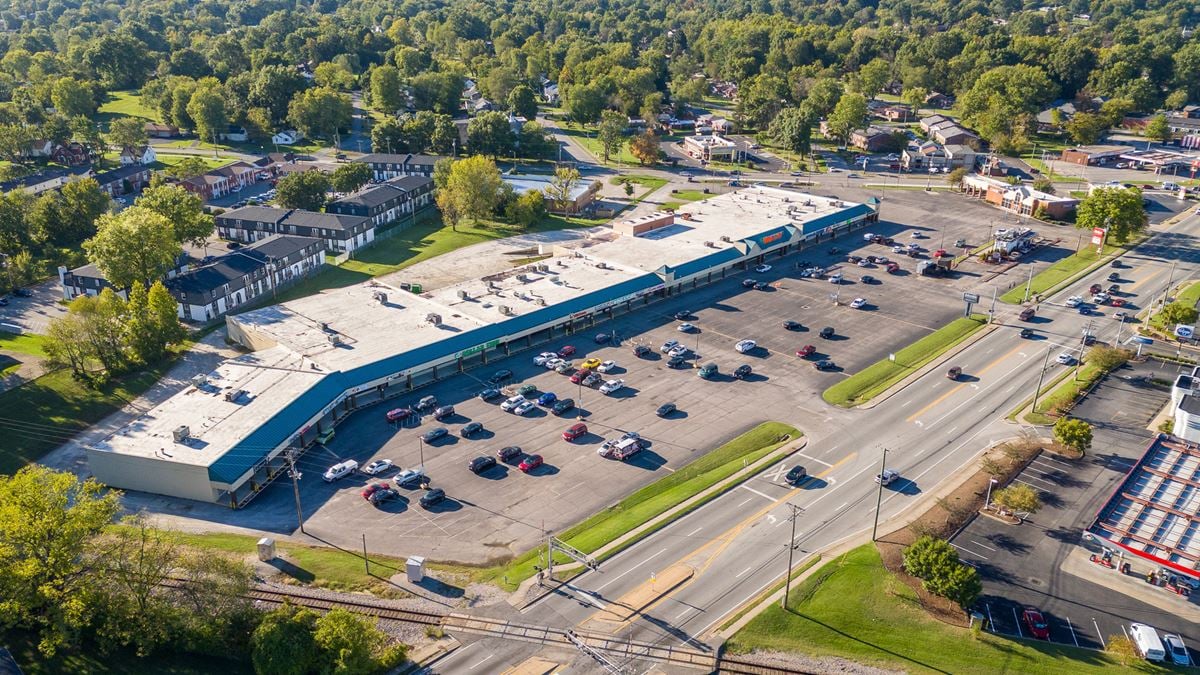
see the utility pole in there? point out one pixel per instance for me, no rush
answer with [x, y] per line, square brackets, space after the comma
[1028, 284]
[992, 311]
[291, 460]
[787, 579]
[1087, 330]
[879, 496]
[1041, 377]
[1167, 290]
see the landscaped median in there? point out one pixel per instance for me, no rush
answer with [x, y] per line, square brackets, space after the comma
[1064, 390]
[653, 500]
[1063, 271]
[854, 608]
[881, 375]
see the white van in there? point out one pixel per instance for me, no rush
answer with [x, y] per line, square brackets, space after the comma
[340, 470]
[1148, 644]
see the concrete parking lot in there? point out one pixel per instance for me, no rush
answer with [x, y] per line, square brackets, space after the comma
[1042, 562]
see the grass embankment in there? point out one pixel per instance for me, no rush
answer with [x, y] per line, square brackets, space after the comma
[652, 500]
[854, 608]
[1062, 271]
[648, 183]
[167, 160]
[1063, 392]
[427, 239]
[586, 136]
[1187, 297]
[879, 376]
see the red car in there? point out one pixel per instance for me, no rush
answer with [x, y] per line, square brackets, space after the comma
[892, 268]
[566, 351]
[372, 489]
[806, 351]
[940, 253]
[580, 375]
[398, 414]
[575, 432]
[1036, 623]
[530, 463]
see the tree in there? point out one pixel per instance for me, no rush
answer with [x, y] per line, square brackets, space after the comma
[1178, 313]
[351, 644]
[792, 128]
[1086, 128]
[926, 557]
[561, 186]
[388, 136]
[439, 92]
[522, 102]
[334, 76]
[66, 346]
[207, 110]
[489, 133]
[303, 190]
[283, 643]
[1122, 648]
[584, 102]
[81, 202]
[137, 559]
[184, 210]
[1176, 100]
[258, 125]
[386, 92]
[526, 209]
[628, 188]
[473, 189]
[127, 133]
[350, 177]
[761, 98]
[959, 583]
[535, 142]
[47, 520]
[849, 114]
[611, 133]
[320, 112]
[441, 172]
[1107, 358]
[998, 98]
[914, 97]
[1119, 210]
[121, 60]
[1018, 498]
[1073, 433]
[72, 97]
[273, 88]
[137, 244]
[1157, 129]
[872, 77]
[824, 95]
[1043, 184]
[644, 146]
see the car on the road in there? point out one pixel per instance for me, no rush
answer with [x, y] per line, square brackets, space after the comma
[1036, 623]
[1176, 650]
[1095, 288]
[378, 466]
[562, 406]
[858, 303]
[683, 315]
[508, 453]
[749, 283]
[481, 464]
[408, 478]
[575, 431]
[1065, 358]
[641, 351]
[530, 463]
[762, 269]
[340, 470]
[1073, 301]
[797, 474]
[825, 364]
[601, 338]
[806, 351]
[686, 328]
[590, 364]
[606, 366]
[579, 375]
[612, 386]
[435, 434]
[793, 325]
[490, 393]
[432, 497]
[745, 346]
[1120, 316]
[868, 279]
[1027, 333]
[541, 359]
[23, 293]
[888, 476]
[523, 408]
[1085, 309]
[547, 399]
[566, 351]
[679, 350]
[500, 376]
[666, 410]
[470, 429]
[676, 362]
[827, 332]
[398, 414]
[668, 346]
[443, 412]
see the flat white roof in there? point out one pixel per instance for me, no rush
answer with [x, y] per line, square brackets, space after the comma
[270, 378]
[524, 182]
[710, 141]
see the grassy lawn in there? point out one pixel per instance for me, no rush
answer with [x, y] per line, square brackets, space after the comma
[63, 407]
[854, 608]
[879, 376]
[586, 136]
[1188, 296]
[167, 160]
[27, 343]
[1062, 271]
[127, 104]
[681, 197]
[1064, 393]
[652, 500]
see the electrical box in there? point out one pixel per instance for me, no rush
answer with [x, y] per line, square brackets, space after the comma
[414, 567]
[266, 549]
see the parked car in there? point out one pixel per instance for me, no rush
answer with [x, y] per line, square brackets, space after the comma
[547, 399]
[553, 364]
[523, 408]
[686, 328]
[383, 494]
[1177, 650]
[1038, 627]
[858, 303]
[471, 429]
[868, 279]
[748, 283]
[679, 350]
[508, 453]
[340, 470]
[566, 351]
[23, 293]
[666, 410]
[527, 390]
[592, 380]
[1095, 288]
[1115, 276]
[409, 478]
[541, 359]
[378, 466]
[371, 489]
[793, 325]
[893, 268]
[575, 431]
[676, 362]
[708, 371]
[683, 315]
[490, 393]
[835, 278]
[612, 386]
[590, 364]
[435, 434]
[668, 346]
[398, 414]
[641, 351]
[530, 463]
[743, 371]
[443, 412]
[744, 346]
[432, 497]
[762, 269]
[806, 351]
[564, 368]
[1073, 301]
[562, 406]
[827, 332]
[601, 338]
[500, 376]
[825, 364]
[606, 366]
[481, 464]
[796, 474]
[579, 375]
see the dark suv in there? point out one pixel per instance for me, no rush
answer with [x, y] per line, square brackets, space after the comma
[641, 351]
[481, 464]
[797, 474]
[563, 405]
[827, 332]
[742, 372]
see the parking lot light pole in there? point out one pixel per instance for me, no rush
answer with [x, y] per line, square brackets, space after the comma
[421, 442]
[988, 500]
[879, 496]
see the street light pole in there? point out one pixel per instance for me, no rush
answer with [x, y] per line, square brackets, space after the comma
[1041, 378]
[988, 500]
[1028, 284]
[879, 496]
[787, 579]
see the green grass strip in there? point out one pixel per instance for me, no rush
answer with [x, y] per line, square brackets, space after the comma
[1188, 297]
[26, 343]
[1062, 271]
[881, 375]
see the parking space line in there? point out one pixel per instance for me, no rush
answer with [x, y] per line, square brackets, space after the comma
[991, 621]
[967, 550]
[1101, 635]
[1072, 629]
[746, 502]
[1035, 487]
[982, 546]
[1017, 619]
[760, 494]
[481, 662]
[693, 532]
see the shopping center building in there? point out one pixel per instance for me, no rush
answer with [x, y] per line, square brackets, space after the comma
[316, 360]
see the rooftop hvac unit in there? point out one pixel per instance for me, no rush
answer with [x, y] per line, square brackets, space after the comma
[506, 310]
[726, 239]
[335, 339]
[561, 263]
[199, 380]
[541, 302]
[463, 294]
[522, 278]
[233, 395]
[602, 265]
[710, 244]
[181, 433]
[435, 319]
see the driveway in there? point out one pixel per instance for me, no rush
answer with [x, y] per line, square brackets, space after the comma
[33, 315]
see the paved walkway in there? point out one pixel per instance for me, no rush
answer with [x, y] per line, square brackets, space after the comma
[29, 368]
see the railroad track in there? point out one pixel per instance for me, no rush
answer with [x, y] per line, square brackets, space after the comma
[738, 666]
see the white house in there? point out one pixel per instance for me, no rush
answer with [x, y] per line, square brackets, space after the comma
[287, 137]
[234, 133]
[144, 155]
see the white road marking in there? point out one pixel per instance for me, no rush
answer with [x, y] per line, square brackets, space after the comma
[967, 550]
[905, 404]
[694, 531]
[981, 545]
[952, 430]
[760, 494]
[685, 611]
[606, 583]
[739, 576]
[1019, 631]
[481, 662]
[745, 502]
[801, 454]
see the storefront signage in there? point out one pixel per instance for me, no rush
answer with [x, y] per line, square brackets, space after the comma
[478, 348]
[772, 238]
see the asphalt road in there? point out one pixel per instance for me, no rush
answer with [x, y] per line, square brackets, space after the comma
[737, 544]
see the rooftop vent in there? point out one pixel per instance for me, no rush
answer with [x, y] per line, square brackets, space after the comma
[380, 297]
[181, 433]
[434, 319]
[726, 239]
[506, 310]
[710, 244]
[463, 294]
[200, 380]
[232, 395]
[540, 301]
[522, 278]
